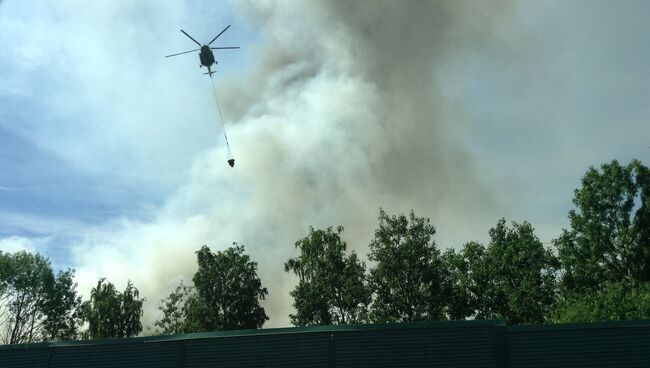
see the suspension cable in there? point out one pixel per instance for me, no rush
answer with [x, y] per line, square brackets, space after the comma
[230, 156]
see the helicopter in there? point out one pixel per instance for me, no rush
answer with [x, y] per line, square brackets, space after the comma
[206, 55]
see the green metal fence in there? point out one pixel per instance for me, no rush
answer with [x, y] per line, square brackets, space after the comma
[420, 344]
[602, 344]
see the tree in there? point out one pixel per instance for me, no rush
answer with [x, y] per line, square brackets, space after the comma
[113, 314]
[609, 238]
[469, 281]
[225, 295]
[622, 300]
[228, 292]
[173, 309]
[523, 272]
[26, 291]
[605, 255]
[514, 278]
[332, 286]
[408, 278]
[62, 308]
[5, 277]
[183, 312]
[36, 305]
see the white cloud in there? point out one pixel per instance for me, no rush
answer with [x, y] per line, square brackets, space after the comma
[13, 244]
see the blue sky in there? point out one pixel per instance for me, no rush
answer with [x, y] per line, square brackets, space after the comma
[112, 159]
[49, 178]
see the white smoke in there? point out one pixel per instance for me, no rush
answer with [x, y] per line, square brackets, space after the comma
[462, 111]
[339, 111]
[339, 114]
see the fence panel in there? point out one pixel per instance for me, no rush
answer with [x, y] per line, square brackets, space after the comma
[454, 347]
[281, 350]
[618, 344]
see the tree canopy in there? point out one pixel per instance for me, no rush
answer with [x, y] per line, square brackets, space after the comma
[113, 314]
[609, 238]
[225, 295]
[523, 274]
[597, 269]
[623, 300]
[407, 279]
[173, 309]
[331, 285]
[605, 255]
[513, 278]
[35, 304]
[228, 290]
[470, 282]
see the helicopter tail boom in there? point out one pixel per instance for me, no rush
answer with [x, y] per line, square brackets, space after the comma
[210, 72]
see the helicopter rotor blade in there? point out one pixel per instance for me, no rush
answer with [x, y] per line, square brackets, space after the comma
[190, 37]
[225, 47]
[181, 53]
[220, 33]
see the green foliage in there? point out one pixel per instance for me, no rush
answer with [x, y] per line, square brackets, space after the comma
[183, 312]
[641, 224]
[173, 309]
[469, 281]
[228, 292]
[113, 314]
[62, 308]
[26, 292]
[623, 300]
[606, 253]
[5, 274]
[523, 274]
[332, 286]
[603, 265]
[225, 296]
[36, 305]
[5, 278]
[609, 239]
[408, 278]
[196, 314]
[513, 278]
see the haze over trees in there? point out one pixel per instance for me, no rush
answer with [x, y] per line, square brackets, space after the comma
[597, 269]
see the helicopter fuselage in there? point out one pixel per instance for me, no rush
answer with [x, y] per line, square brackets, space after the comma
[206, 56]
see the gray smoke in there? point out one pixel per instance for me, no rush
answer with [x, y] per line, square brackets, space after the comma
[341, 113]
[358, 80]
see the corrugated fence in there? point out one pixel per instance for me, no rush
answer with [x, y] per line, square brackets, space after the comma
[420, 344]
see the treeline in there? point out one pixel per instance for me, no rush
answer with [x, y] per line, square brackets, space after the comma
[38, 305]
[598, 269]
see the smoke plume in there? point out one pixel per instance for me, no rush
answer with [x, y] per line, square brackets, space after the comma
[340, 113]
